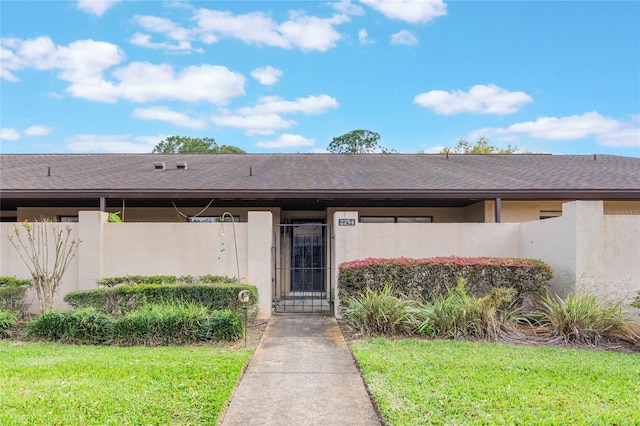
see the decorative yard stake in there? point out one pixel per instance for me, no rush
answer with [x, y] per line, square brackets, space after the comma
[243, 297]
[47, 252]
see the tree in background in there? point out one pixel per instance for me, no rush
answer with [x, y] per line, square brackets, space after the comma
[188, 145]
[357, 142]
[482, 146]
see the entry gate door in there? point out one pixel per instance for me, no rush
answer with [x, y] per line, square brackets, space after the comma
[302, 269]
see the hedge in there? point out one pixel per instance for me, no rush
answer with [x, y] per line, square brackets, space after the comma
[12, 295]
[124, 299]
[431, 277]
[163, 279]
[151, 325]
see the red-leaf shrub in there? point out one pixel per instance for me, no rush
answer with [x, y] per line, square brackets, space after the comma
[432, 277]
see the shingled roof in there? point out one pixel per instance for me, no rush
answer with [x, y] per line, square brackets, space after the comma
[352, 175]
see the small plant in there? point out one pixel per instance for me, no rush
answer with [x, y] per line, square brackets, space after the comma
[8, 321]
[636, 301]
[584, 319]
[458, 315]
[380, 313]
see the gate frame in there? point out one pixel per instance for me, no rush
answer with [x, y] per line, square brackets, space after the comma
[283, 299]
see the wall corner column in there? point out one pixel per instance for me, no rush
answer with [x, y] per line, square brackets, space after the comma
[91, 249]
[345, 247]
[259, 262]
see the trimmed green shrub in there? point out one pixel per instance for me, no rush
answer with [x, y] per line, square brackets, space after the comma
[151, 325]
[167, 324]
[8, 321]
[163, 279]
[13, 299]
[48, 326]
[584, 319]
[459, 315]
[14, 282]
[225, 325]
[79, 326]
[13, 295]
[427, 279]
[379, 313]
[124, 299]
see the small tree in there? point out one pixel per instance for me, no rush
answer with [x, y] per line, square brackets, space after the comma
[357, 142]
[482, 146]
[188, 145]
[47, 253]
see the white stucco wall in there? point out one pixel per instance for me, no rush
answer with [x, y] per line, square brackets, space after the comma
[438, 239]
[174, 249]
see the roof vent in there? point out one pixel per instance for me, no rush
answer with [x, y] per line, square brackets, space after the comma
[159, 165]
[181, 165]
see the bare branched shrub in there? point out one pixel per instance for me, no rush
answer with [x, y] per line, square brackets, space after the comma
[47, 250]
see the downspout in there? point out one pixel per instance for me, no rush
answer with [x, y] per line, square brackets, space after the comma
[103, 204]
[498, 209]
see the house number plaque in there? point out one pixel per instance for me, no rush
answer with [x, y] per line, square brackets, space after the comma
[346, 222]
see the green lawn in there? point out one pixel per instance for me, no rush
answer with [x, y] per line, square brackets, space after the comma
[55, 384]
[424, 382]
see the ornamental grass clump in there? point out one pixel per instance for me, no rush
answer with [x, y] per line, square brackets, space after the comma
[459, 315]
[8, 321]
[380, 313]
[585, 319]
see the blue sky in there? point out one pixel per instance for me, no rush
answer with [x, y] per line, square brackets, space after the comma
[267, 76]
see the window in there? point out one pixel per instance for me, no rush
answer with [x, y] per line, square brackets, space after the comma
[396, 219]
[548, 214]
[67, 218]
[212, 219]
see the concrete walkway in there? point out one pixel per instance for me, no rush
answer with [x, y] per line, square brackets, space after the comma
[301, 373]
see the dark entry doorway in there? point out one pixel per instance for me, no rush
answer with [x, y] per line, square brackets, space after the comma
[302, 268]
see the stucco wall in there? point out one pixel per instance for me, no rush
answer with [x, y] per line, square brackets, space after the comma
[438, 239]
[174, 249]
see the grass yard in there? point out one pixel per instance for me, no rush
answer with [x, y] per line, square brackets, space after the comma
[55, 384]
[420, 382]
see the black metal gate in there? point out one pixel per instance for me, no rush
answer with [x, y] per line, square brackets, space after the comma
[303, 269]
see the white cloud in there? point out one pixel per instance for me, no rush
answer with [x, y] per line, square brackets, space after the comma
[404, 37]
[606, 130]
[347, 8]
[96, 7]
[266, 116]
[38, 130]
[413, 11]
[256, 124]
[180, 36]
[299, 32]
[112, 143]
[363, 37]
[9, 134]
[287, 141]
[481, 99]
[145, 82]
[84, 62]
[267, 75]
[169, 116]
[276, 105]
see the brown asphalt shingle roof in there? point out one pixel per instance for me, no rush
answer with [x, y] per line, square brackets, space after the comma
[317, 172]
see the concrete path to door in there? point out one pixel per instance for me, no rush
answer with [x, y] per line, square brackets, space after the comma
[301, 373]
